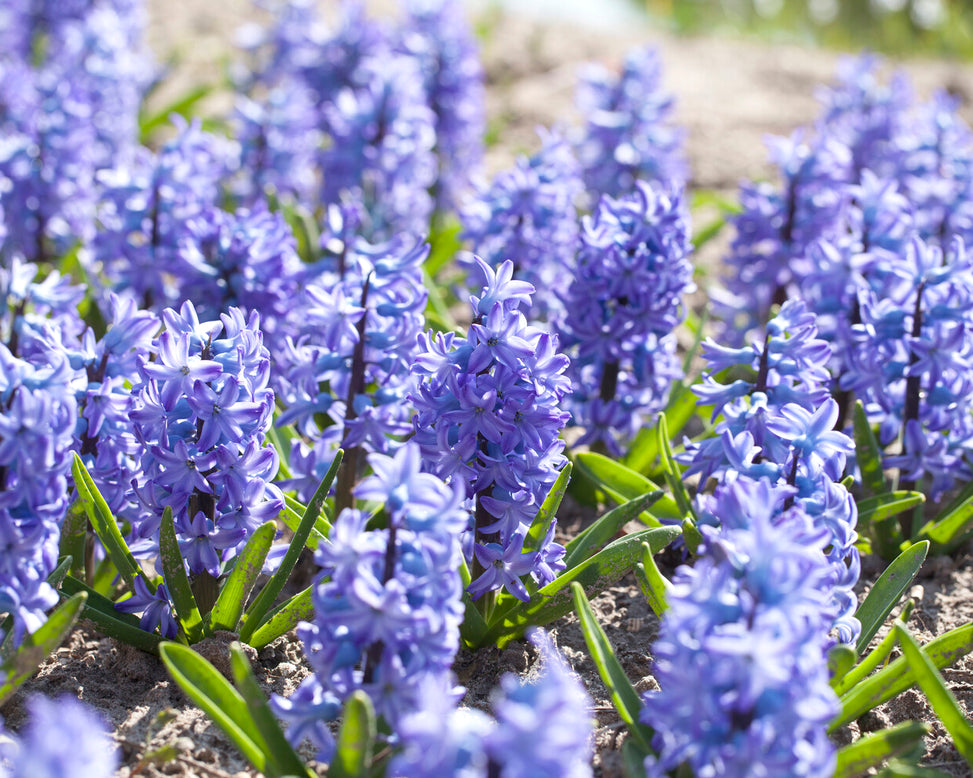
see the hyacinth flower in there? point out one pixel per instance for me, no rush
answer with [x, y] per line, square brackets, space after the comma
[487, 417]
[203, 407]
[625, 300]
[528, 215]
[628, 135]
[387, 607]
[144, 210]
[343, 374]
[437, 34]
[741, 654]
[540, 728]
[908, 364]
[778, 423]
[778, 223]
[63, 738]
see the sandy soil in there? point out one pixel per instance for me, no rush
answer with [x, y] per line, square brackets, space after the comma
[730, 94]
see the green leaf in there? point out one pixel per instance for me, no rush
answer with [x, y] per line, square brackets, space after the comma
[867, 452]
[263, 601]
[945, 650]
[633, 758]
[872, 750]
[105, 526]
[643, 453]
[174, 571]
[594, 574]
[875, 657]
[284, 618]
[655, 586]
[605, 528]
[473, 629]
[887, 590]
[39, 645]
[952, 524]
[672, 472]
[444, 243]
[538, 527]
[293, 514]
[841, 659]
[691, 535]
[622, 484]
[623, 695]
[286, 761]
[356, 738]
[74, 533]
[111, 622]
[940, 697]
[236, 590]
[182, 105]
[204, 685]
[882, 507]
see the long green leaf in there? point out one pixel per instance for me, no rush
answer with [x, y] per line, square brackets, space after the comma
[622, 484]
[293, 514]
[105, 525]
[39, 645]
[841, 660]
[286, 761]
[945, 650]
[867, 451]
[887, 590]
[356, 738]
[655, 586]
[672, 472]
[939, 696]
[236, 590]
[474, 628]
[174, 571]
[284, 618]
[953, 524]
[204, 685]
[74, 532]
[594, 574]
[111, 622]
[643, 453]
[538, 527]
[882, 507]
[182, 105]
[872, 750]
[875, 657]
[605, 528]
[263, 601]
[624, 697]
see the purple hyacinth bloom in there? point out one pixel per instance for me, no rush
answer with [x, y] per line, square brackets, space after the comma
[628, 136]
[387, 608]
[63, 738]
[528, 215]
[487, 417]
[741, 655]
[155, 607]
[202, 410]
[625, 299]
[437, 35]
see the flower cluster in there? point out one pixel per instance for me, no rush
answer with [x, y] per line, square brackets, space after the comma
[62, 739]
[201, 412]
[387, 608]
[628, 136]
[624, 301]
[488, 417]
[740, 657]
[778, 424]
[343, 374]
[528, 215]
[540, 729]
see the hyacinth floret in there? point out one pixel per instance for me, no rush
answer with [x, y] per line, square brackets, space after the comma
[528, 215]
[628, 136]
[541, 727]
[203, 407]
[387, 607]
[63, 738]
[487, 417]
[625, 299]
[741, 655]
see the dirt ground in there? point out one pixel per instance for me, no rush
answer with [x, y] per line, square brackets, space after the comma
[730, 94]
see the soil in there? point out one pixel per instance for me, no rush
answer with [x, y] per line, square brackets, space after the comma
[730, 94]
